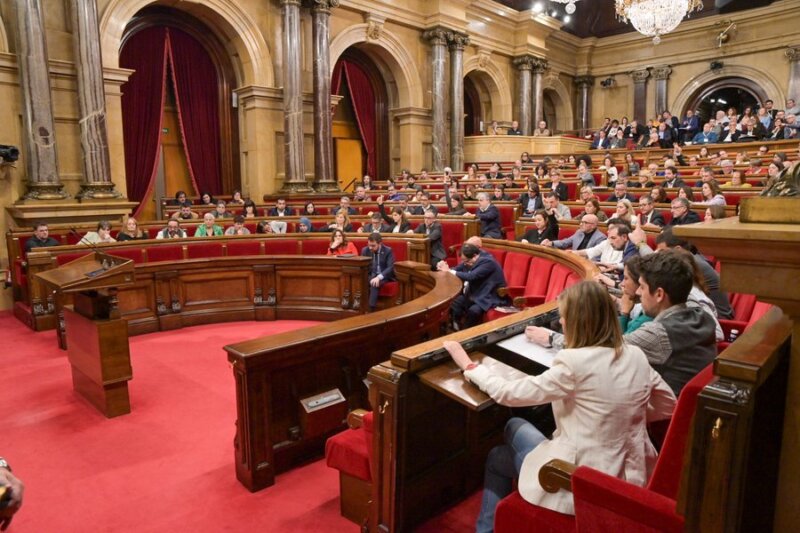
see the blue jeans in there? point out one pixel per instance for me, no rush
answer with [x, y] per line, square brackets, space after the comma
[503, 466]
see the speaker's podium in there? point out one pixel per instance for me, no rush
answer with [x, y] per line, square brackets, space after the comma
[97, 336]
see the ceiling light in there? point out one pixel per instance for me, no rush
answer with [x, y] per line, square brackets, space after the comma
[538, 7]
[567, 18]
[655, 18]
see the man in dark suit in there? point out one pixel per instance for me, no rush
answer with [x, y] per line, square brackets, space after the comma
[650, 215]
[382, 268]
[621, 192]
[280, 209]
[689, 126]
[681, 214]
[482, 276]
[344, 203]
[671, 179]
[433, 230]
[425, 205]
[489, 217]
[514, 129]
[375, 225]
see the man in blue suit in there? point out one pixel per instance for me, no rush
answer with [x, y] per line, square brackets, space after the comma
[482, 276]
[586, 237]
[706, 136]
[382, 268]
[489, 217]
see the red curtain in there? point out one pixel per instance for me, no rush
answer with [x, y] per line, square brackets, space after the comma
[195, 81]
[362, 97]
[142, 105]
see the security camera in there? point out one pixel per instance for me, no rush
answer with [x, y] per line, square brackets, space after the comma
[716, 65]
[9, 154]
[608, 82]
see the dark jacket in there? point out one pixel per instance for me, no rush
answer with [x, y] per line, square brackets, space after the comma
[560, 190]
[490, 222]
[689, 218]
[484, 278]
[273, 212]
[524, 198]
[382, 262]
[434, 234]
[656, 218]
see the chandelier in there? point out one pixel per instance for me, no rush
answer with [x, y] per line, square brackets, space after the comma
[570, 7]
[655, 18]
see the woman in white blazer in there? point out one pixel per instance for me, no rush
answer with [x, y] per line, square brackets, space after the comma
[603, 394]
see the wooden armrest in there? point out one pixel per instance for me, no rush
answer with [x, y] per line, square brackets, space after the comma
[355, 418]
[556, 474]
[502, 292]
[522, 302]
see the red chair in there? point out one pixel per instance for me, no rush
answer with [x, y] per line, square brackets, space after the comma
[759, 310]
[606, 503]
[515, 269]
[350, 452]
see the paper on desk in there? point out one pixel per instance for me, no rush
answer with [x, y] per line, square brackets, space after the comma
[520, 344]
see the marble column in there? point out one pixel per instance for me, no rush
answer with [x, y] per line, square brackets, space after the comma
[41, 160]
[640, 94]
[91, 102]
[456, 43]
[294, 178]
[793, 90]
[584, 84]
[324, 179]
[524, 64]
[661, 75]
[438, 39]
[538, 93]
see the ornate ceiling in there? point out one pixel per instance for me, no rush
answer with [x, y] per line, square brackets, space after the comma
[595, 18]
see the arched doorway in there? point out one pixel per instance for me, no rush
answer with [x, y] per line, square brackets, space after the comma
[549, 110]
[193, 144]
[722, 94]
[472, 109]
[361, 120]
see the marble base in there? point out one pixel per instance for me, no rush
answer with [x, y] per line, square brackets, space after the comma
[46, 191]
[25, 212]
[98, 191]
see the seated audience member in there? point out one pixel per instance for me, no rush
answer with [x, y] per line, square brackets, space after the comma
[482, 276]
[304, 225]
[600, 142]
[665, 136]
[726, 165]
[546, 228]
[433, 230]
[238, 227]
[625, 212]
[557, 186]
[185, 213]
[668, 240]
[180, 199]
[792, 108]
[207, 199]
[552, 203]
[706, 175]
[689, 126]
[777, 131]
[541, 131]
[749, 132]
[790, 127]
[514, 129]
[309, 210]
[208, 228]
[587, 236]
[172, 231]
[499, 193]
[531, 200]
[237, 198]
[731, 133]
[282, 210]
[684, 191]
[592, 207]
[659, 195]
[489, 217]
[586, 193]
[714, 212]
[525, 157]
[610, 170]
[706, 136]
[344, 203]
[650, 140]
[515, 177]
[366, 182]
[756, 167]
[263, 227]
[455, 203]
[585, 176]
[41, 238]
[631, 315]
[398, 222]
[712, 195]
[221, 211]
[339, 244]
[671, 179]
[681, 214]
[14, 492]
[425, 205]
[643, 181]
[601, 416]
[381, 269]
[341, 221]
[131, 232]
[494, 172]
[650, 216]
[493, 129]
[615, 251]
[621, 193]
[101, 235]
[618, 141]
[375, 225]
[249, 209]
[361, 195]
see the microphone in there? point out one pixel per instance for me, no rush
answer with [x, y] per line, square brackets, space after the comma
[105, 261]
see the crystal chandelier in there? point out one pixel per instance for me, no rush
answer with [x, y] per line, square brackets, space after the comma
[570, 7]
[655, 18]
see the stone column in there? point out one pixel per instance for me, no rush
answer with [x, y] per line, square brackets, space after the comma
[92, 102]
[661, 74]
[538, 93]
[324, 180]
[640, 94]
[524, 65]
[456, 43]
[294, 179]
[438, 39]
[41, 160]
[793, 90]
[584, 84]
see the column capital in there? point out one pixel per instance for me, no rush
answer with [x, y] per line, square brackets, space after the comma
[792, 53]
[662, 72]
[322, 6]
[639, 76]
[529, 62]
[436, 36]
[290, 3]
[457, 40]
[540, 65]
[584, 81]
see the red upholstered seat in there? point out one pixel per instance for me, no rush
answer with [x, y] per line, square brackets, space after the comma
[63, 259]
[565, 231]
[399, 248]
[315, 246]
[244, 248]
[164, 253]
[134, 254]
[348, 452]
[499, 255]
[606, 503]
[390, 289]
[153, 232]
[203, 250]
[759, 310]
[515, 268]
[281, 247]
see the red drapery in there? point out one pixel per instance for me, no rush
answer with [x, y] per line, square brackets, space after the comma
[196, 93]
[142, 105]
[149, 53]
[362, 97]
